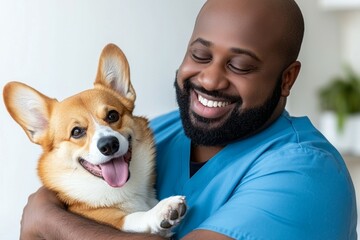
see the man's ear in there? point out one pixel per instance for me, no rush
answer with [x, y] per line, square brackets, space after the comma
[114, 72]
[289, 77]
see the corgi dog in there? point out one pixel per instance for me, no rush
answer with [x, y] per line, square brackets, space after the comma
[97, 156]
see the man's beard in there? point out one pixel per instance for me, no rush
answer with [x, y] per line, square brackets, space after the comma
[239, 124]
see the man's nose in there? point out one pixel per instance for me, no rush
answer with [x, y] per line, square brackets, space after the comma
[213, 77]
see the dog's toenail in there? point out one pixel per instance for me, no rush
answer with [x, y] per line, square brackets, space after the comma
[182, 209]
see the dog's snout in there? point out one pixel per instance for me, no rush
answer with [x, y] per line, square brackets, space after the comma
[108, 145]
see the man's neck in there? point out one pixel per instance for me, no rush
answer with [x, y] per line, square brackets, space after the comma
[203, 153]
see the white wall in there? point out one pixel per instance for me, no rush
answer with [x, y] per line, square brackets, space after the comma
[350, 37]
[332, 36]
[320, 57]
[54, 46]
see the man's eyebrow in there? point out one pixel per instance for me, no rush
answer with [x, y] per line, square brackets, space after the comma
[202, 41]
[246, 52]
[207, 43]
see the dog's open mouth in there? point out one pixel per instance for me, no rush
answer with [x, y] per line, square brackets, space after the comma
[115, 172]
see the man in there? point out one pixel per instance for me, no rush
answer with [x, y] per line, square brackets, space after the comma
[248, 169]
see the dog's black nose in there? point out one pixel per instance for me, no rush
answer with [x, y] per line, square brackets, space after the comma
[108, 145]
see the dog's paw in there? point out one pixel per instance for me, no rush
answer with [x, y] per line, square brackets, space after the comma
[168, 213]
[172, 211]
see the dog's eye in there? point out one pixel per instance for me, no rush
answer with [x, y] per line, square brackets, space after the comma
[112, 116]
[77, 132]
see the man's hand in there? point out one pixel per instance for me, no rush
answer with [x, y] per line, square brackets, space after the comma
[39, 205]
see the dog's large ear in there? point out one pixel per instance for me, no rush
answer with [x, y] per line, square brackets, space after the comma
[114, 72]
[29, 108]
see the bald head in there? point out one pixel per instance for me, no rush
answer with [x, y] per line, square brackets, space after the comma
[278, 22]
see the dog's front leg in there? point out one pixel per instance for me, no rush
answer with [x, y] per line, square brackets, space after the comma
[161, 219]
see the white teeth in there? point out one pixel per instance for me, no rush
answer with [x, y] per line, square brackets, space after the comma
[211, 103]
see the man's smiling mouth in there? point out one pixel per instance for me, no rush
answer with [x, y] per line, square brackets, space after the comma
[212, 103]
[210, 107]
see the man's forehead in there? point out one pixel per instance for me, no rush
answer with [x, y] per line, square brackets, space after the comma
[244, 20]
[257, 9]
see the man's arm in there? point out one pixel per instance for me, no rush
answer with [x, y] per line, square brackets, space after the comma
[45, 217]
[205, 234]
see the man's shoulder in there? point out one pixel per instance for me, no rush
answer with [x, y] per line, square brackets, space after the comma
[165, 120]
[166, 125]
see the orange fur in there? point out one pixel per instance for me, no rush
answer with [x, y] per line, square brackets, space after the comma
[49, 123]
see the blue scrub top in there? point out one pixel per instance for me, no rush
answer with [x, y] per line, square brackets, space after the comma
[286, 182]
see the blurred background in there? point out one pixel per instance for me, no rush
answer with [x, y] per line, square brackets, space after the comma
[54, 47]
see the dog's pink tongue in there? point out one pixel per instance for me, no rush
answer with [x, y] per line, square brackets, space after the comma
[115, 172]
